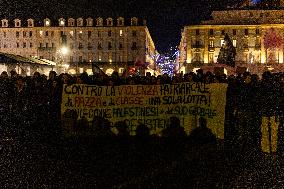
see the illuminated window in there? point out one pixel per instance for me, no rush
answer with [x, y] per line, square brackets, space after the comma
[80, 34]
[211, 43]
[110, 57]
[222, 42]
[61, 22]
[100, 57]
[234, 42]
[47, 23]
[121, 70]
[40, 32]
[120, 33]
[71, 33]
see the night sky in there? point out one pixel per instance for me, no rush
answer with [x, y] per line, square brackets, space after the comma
[165, 18]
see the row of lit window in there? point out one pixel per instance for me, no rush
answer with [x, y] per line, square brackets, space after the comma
[222, 42]
[100, 46]
[71, 22]
[223, 32]
[80, 33]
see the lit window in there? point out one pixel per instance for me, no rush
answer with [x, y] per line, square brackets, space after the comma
[81, 32]
[121, 70]
[222, 42]
[234, 43]
[110, 60]
[61, 23]
[120, 33]
[47, 23]
[40, 32]
[72, 33]
[211, 43]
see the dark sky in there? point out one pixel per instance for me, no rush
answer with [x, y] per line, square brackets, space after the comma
[165, 18]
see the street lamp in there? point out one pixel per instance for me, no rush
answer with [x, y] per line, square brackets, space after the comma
[64, 50]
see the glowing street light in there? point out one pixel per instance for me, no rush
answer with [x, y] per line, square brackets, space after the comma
[64, 50]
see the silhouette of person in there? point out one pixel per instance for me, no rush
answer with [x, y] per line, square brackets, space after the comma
[202, 134]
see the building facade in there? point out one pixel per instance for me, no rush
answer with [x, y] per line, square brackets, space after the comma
[256, 34]
[77, 44]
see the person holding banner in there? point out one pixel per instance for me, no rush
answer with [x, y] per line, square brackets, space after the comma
[247, 123]
[271, 101]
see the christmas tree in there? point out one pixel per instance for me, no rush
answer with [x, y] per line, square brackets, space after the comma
[227, 52]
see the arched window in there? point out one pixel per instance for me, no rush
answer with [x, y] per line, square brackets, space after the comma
[17, 23]
[71, 22]
[134, 21]
[99, 21]
[30, 23]
[120, 21]
[80, 22]
[61, 22]
[89, 21]
[47, 22]
[4, 23]
[109, 22]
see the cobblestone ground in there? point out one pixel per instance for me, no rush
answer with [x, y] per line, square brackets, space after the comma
[45, 160]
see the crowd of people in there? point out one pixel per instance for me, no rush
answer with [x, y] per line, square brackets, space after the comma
[35, 100]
